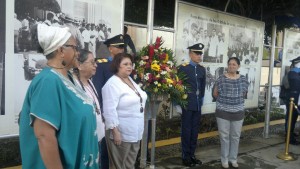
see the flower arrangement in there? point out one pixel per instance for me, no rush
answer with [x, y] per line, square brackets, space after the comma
[156, 73]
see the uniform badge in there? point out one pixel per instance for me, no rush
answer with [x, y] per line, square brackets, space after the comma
[102, 60]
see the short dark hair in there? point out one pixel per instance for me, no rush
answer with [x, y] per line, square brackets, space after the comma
[83, 55]
[237, 60]
[50, 15]
[115, 64]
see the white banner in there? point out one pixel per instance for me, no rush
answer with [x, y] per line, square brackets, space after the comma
[224, 36]
[23, 63]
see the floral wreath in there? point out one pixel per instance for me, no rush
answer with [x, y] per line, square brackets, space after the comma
[156, 73]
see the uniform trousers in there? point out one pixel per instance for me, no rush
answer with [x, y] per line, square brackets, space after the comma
[229, 133]
[294, 120]
[122, 156]
[190, 123]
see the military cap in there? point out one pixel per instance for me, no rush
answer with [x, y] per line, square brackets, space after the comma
[296, 60]
[196, 47]
[117, 41]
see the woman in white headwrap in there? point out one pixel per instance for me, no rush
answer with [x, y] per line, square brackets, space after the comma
[57, 121]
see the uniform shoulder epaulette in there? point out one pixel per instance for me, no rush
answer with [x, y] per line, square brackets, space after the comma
[103, 60]
[184, 64]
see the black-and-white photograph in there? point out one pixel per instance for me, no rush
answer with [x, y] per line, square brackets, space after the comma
[2, 56]
[212, 74]
[249, 73]
[215, 46]
[241, 44]
[90, 22]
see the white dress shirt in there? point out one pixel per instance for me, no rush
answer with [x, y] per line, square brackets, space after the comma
[121, 109]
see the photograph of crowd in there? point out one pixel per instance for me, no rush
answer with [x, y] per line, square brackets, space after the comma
[241, 44]
[90, 22]
[89, 32]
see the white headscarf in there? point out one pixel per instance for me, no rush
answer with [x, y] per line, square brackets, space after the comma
[51, 38]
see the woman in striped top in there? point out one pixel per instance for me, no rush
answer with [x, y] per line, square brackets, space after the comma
[230, 91]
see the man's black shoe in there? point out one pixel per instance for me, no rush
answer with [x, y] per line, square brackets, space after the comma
[196, 161]
[188, 162]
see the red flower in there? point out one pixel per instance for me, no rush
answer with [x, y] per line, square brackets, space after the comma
[158, 42]
[150, 78]
[151, 52]
[147, 65]
[163, 81]
[163, 67]
[162, 56]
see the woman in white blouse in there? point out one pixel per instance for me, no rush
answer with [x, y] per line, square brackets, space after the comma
[123, 106]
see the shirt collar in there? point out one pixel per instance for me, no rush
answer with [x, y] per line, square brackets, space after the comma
[109, 58]
[193, 63]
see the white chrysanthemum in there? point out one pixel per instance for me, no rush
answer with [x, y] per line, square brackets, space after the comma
[135, 76]
[170, 63]
[142, 62]
[163, 72]
[155, 82]
[146, 76]
[140, 84]
[170, 85]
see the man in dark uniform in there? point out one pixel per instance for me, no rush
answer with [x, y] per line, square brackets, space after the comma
[293, 91]
[191, 114]
[103, 73]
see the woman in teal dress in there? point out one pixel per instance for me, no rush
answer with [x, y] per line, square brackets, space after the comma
[58, 120]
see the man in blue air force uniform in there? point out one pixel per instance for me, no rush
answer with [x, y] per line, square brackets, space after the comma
[293, 92]
[103, 73]
[191, 114]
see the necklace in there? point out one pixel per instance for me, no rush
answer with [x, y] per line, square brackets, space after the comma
[55, 67]
[90, 90]
[136, 92]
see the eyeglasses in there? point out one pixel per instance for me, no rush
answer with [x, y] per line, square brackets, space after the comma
[141, 102]
[76, 48]
[92, 62]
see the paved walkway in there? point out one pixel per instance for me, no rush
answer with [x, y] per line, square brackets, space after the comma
[255, 153]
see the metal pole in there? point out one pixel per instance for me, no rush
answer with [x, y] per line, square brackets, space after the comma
[149, 108]
[150, 21]
[144, 143]
[286, 155]
[270, 82]
[175, 25]
[122, 16]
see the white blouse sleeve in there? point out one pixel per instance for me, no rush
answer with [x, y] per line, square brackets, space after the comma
[111, 95]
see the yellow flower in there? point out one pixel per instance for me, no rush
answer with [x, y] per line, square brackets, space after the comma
[155, 67]
[166, 59]
[158, 84]
[155, 90]
[169, 81]
[184, 96]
